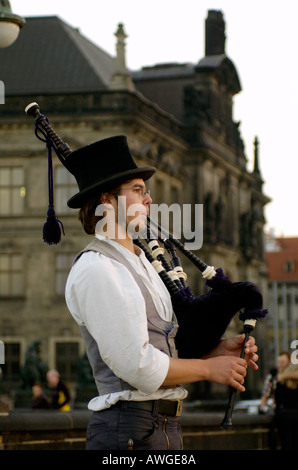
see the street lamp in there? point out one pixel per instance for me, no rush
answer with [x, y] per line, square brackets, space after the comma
[10, 24]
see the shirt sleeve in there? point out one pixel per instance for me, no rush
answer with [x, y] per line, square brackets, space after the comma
[267, 388]
[103, 296]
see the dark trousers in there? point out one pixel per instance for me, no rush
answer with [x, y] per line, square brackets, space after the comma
[121, 428]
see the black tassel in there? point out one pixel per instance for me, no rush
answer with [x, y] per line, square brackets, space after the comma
[53, 226]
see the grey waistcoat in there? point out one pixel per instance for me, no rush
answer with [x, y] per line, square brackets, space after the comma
[161, 332]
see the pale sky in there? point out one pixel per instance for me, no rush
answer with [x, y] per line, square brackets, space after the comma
[262, 40]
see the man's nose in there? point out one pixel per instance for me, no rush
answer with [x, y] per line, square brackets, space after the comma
[147, 200]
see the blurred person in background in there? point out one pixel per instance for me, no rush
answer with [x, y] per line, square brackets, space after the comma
[60, 394]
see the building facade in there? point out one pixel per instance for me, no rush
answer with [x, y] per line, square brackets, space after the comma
[282, 260]
[177, 117]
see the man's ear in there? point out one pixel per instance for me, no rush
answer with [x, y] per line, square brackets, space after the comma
[105, 198]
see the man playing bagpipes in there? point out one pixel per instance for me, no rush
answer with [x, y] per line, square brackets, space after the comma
[126, 317]
[125, 312]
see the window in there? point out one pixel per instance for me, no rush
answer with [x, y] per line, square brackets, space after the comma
[11, 275]
[67, 356]
[289, 266]
[65, 188]
[12, 191]
[159, 193]
[63, 265]
[175, 195]
[11, 368]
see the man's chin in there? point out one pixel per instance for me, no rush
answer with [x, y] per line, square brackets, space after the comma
[139, 231]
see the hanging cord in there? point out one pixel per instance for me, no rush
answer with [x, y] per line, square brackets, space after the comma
[53, 226]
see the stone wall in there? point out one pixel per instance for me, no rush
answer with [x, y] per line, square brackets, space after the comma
[48, 430]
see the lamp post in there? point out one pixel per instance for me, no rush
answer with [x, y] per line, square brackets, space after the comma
[10, 24]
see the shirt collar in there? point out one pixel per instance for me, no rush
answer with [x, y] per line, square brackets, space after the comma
[121, 248]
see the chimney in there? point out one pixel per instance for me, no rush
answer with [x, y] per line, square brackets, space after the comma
[121, 78]
[214, 33]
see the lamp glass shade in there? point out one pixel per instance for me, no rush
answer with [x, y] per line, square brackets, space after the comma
[8, 33]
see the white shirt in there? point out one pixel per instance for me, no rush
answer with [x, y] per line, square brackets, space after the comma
[120, 325]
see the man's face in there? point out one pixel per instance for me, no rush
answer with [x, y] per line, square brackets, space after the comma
[36, 390]
[52, 379]
[134, 202]
[282, 361]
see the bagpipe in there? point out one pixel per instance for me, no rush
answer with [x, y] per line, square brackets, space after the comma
[202, 319]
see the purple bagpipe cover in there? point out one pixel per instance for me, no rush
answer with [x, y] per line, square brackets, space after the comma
[204, 319]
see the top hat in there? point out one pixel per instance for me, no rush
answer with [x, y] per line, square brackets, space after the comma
[102, 165]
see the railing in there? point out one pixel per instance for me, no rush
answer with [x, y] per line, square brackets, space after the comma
[50, 430]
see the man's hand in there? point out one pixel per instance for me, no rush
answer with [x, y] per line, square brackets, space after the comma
[227, 370]
[232, 347]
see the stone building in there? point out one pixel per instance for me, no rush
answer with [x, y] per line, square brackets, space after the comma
[282, 262]
[178, 117]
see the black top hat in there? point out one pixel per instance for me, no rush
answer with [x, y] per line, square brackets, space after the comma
[102, 165]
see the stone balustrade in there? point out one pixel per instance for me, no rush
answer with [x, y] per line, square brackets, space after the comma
[51, 430]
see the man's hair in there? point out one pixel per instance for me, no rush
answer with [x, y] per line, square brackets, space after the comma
[87, 215]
